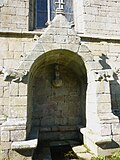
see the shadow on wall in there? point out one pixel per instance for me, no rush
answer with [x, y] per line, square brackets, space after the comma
[114, 87]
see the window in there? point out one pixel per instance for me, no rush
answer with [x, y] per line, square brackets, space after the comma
[45, 12]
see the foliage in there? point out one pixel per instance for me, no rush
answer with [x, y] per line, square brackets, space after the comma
[116, 155]
[99, 158]
[70, 155]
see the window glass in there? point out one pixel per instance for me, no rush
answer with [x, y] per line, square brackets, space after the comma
[41, 15]
[42, 11]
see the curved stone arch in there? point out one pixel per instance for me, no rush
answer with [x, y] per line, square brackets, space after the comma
[42, 51]
[42, 48]
[63, 57]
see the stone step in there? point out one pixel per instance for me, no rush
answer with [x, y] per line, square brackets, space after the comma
[82, 152]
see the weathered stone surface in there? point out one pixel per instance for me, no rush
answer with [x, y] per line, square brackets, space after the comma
[5, 136]
[24, 144]
[106, 130]
[6, 145]
[18, 101]
[116, 128]
[84, 98]
[79, 149]
[18, 135]
[86, 156]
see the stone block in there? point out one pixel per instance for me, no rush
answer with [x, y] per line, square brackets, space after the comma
[104, 107]
[103, 98]
[14, 89]
[18, 112]
[25, 144]
[51, 46]
[18, 135]
[86, 155]
[25, 155]
[11, 63]
[79, 149]
[103, 87]
[5, 136]
[8, 10]
[4, 45]
[23, 89]
[6, 18]
[59, 39]
[28, 46]
[4, 101]
[14, 43]
[114, 48]
[19, 19]
[34, 55]
[5, 154]
[47, 38]
[6, 92]
[71, 47]
[116, 128]
[18, 101]
[108, 118]
[25, 65]
[106, 130]
[21, 11]
[1, 91]
[6, 110]
[6, 145]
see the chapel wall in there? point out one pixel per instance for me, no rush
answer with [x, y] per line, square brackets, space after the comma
[15, 48]
[14, 15]
[98, 17]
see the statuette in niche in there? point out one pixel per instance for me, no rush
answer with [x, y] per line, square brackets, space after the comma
[57, 82]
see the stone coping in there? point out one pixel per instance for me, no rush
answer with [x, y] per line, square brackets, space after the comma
[97, 139]
[59, 128]
[82, 35]
[14, 122]
[28, 144]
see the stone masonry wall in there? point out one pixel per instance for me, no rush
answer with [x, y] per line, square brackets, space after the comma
[15, 47]
[57, 108]
[99, 17]
[108, 55]
[12, 50]
[14, 15]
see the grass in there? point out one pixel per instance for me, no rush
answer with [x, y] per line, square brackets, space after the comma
[114, 156]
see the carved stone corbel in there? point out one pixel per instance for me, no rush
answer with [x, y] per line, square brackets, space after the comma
[104, 75]
[12, 75]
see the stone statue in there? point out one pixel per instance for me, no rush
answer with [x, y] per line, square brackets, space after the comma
[57, 82]
[13, 74]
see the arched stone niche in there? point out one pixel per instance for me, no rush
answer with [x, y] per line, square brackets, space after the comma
[57, 110]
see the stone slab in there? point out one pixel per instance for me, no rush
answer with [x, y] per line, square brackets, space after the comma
[86, 156]
[79, 149]
[24, 144]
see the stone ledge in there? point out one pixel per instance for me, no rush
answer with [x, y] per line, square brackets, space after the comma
[14, 124]
[82, 35]
[29, 144]
[94, 137]
[59, 128]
